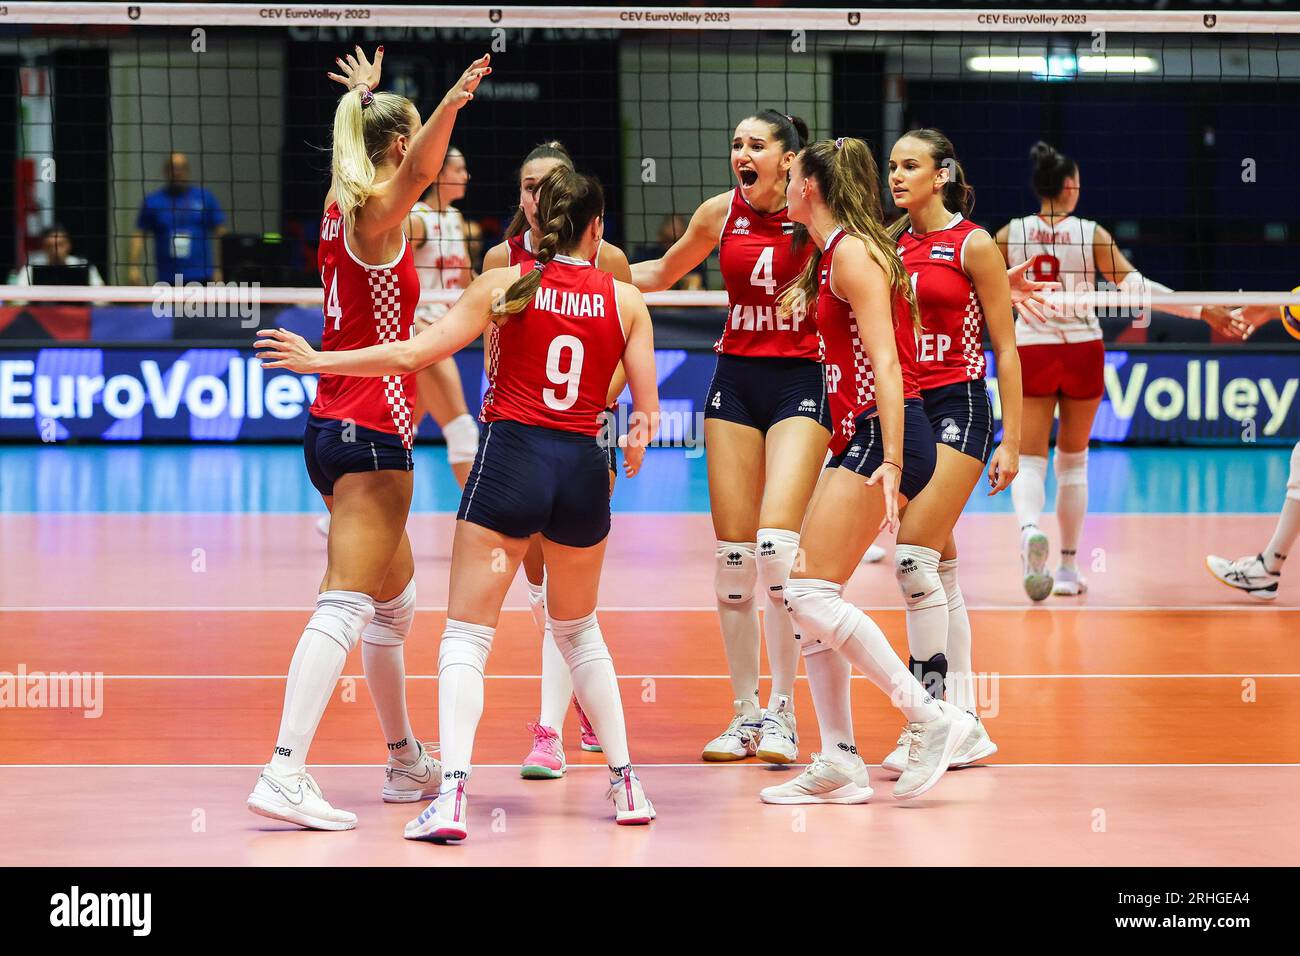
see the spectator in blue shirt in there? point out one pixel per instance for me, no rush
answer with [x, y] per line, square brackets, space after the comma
[185, 220]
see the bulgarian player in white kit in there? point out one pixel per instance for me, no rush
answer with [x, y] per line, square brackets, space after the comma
[440, 242]
[1063, 362]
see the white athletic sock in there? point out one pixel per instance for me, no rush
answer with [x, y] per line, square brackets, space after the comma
[778, 550]
[583, 647]
[1288, 523]
[557, 684]
[822, 614]
[1029, 490]
[333, 630]
[828, 681]
[1071, 501]
[738, 618]
[961, 675]
[462, 655]
[382, 658]
[537, 603]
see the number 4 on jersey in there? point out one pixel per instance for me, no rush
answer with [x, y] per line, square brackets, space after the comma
[762, 276]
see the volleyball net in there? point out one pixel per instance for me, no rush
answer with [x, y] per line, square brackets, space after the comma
[1182, 123]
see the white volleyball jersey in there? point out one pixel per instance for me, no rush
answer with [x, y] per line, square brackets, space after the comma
[1060, 252]
[442, 261]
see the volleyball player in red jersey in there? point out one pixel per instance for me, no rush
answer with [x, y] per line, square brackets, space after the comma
[883, 456]
[960, 282]
[545, 761]
[766, 423]
[539, 468]
[358, 441]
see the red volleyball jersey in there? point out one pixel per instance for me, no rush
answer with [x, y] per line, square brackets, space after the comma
[551, 364]
[365, 305]
[757, 261]
[521, 251]
[850, 382]
[950, 347]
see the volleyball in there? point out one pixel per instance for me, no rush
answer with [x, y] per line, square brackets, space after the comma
[1290, 315]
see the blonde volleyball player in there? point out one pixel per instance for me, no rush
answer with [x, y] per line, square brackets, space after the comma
[540, 469]
[358, 441]
[546, 761]
[440, 241]
[1063, 363]
[766, 423]
[884, 456]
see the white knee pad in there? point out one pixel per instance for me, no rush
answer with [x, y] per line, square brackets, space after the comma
[461, 436]
[819, 612]
[1293, 480]
[948, 575]
[777, 552]
[580, 641]
[736, 572]
[1071, 467]
[466, 644]
[342, 616]
[917, 572]
[392, 621]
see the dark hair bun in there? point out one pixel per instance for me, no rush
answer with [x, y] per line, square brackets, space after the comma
[801, 128]
[1051, 168]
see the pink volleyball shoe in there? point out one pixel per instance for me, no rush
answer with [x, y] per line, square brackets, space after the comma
[589, 741]
[546, 760]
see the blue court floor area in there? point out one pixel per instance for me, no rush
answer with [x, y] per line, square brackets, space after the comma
[272, 479]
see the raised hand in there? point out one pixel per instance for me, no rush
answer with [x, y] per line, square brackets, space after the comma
[358, 71]
[463, 89]
[1030, 296]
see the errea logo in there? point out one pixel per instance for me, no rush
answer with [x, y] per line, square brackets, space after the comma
[807, 405]
[741, 226]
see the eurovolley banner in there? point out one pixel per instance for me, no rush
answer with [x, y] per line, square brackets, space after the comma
[224, 394]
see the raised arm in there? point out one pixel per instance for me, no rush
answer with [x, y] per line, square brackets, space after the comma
[689, 251]
[391, 201]
[858, 277]
[639, 366]
[463, 323]
[987, 271]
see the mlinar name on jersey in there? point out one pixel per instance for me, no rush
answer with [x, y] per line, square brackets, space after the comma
[580, 305]
[763, 318]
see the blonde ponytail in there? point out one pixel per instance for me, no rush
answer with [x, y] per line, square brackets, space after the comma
[850, 183]
[361, 137]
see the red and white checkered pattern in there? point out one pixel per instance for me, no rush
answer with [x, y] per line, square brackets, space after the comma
[493, 359]
[972, 325]
[386, 300]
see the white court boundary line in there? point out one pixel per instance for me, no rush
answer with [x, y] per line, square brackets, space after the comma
[442, 609]
[984, 674]
[701, 765]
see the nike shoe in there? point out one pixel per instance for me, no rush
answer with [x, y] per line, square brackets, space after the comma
[589, 741]
[824, 781]
[546, 760]
[874, 555]
[778, 740]
[631, 808]
[1068, 582]
[930, 746]
[418, 780]
[1033, 558]
[443, 820]
[296, 798]
[977, 747]
[1246, 574]
[896, 762]
[323, 525]
[740, 739]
